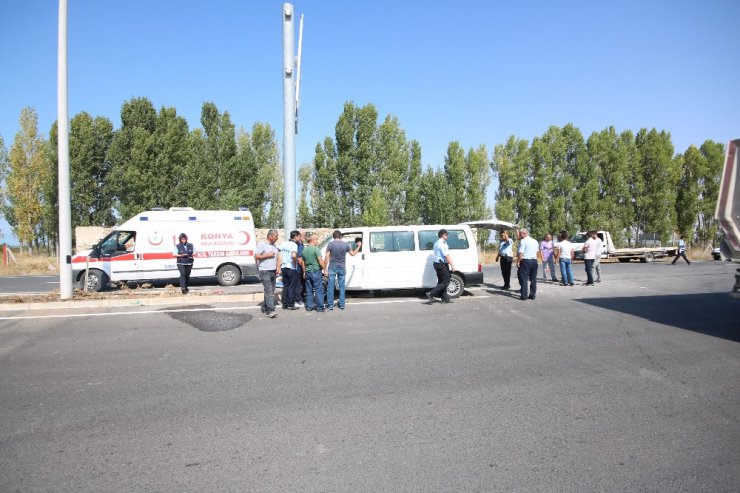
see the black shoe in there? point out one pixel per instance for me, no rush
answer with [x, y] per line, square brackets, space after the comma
[531, 297]
[429, 296]
[506, 288]
[563, 284]
[523, 299]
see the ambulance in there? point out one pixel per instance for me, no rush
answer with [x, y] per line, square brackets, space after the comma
[141, 249]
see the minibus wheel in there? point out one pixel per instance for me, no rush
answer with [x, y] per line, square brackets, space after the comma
[229, 275]
[96, 280]
[456, 287]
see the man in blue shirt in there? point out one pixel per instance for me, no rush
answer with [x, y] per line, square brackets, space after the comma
[506, 256]
[681, 252]
[527, 265]
[442, 266]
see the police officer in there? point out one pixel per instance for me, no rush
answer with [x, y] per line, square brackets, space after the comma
[442, 266]
[184, 252]
[527, 265]
[506, 257]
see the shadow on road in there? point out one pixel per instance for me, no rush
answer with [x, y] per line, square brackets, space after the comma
[714, 314]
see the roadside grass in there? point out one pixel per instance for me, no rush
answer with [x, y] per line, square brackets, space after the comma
[30, 265]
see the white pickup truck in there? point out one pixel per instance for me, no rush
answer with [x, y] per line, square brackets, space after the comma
[647, 254]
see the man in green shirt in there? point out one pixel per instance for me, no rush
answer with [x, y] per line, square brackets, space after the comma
[314, 265]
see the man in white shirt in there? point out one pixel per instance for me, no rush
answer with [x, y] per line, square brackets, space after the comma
[566, 255]
[527, 265]
[597, 260]
[590, 251]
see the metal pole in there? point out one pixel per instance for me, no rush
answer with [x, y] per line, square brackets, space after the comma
[289, 175]
[65, 210]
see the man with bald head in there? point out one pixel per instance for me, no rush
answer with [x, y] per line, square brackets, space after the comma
[527, 265]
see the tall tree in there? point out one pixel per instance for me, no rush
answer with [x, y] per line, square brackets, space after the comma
[305, 220]
[692, 164]
[709, 180]
[454, 170]
[436, 197]
[612, 154]
[326, 196]
[132, 156]
[658, 174]
[510, 165]
[89, 141]
[477, 179]
[220, 147]
[392, 168]
[412, 206]
[27, 175]
[5, 210]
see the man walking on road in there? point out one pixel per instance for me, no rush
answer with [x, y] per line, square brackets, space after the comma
[681, 252]
[527, 265]
[442, 266]
[266, 256]
[336, 254]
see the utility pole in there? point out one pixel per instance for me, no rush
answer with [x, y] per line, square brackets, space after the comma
[65, 210]
[291, 80]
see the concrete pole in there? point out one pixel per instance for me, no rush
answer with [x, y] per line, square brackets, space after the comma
[289, 174]
[65, 210]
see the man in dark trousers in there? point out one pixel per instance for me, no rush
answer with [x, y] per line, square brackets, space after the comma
[527, 265]
[681, 252]
[442, 266]
[184, 252]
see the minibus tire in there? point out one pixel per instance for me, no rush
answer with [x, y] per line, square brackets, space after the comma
[456, 286]
[229, 275]
[97, 280]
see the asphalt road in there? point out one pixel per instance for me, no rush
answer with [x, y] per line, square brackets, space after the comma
[630, 385]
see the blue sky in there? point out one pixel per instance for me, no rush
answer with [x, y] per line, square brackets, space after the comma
[471, 71]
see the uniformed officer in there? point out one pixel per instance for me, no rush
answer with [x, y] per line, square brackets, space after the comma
[184, 252]
[527, 265]
[443, 266]
[506, 257]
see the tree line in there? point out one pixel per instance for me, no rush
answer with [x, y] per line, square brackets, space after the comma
[368, 173]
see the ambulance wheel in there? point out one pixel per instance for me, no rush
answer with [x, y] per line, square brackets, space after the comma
[229, 275]
[456, 286]
[96, 280]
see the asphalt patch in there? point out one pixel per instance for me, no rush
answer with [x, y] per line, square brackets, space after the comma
[206, 320]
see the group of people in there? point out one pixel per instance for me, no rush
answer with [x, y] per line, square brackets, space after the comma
[550, 253]
[302, 268]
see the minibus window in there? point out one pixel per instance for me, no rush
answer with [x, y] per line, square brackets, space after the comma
[456, 239]
[392, 241]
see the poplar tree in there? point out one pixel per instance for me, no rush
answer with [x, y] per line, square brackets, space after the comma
[691, 164]
[656, 174]
[477, 179]
[5, 210]
[89, 141]
[510, 165]
[304, 218]
[412, 206]
[709, 181]
[454, 172]
[27, 174]
[132, 157]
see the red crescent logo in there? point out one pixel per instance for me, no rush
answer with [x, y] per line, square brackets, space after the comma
[245, 237]
[156, 239]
